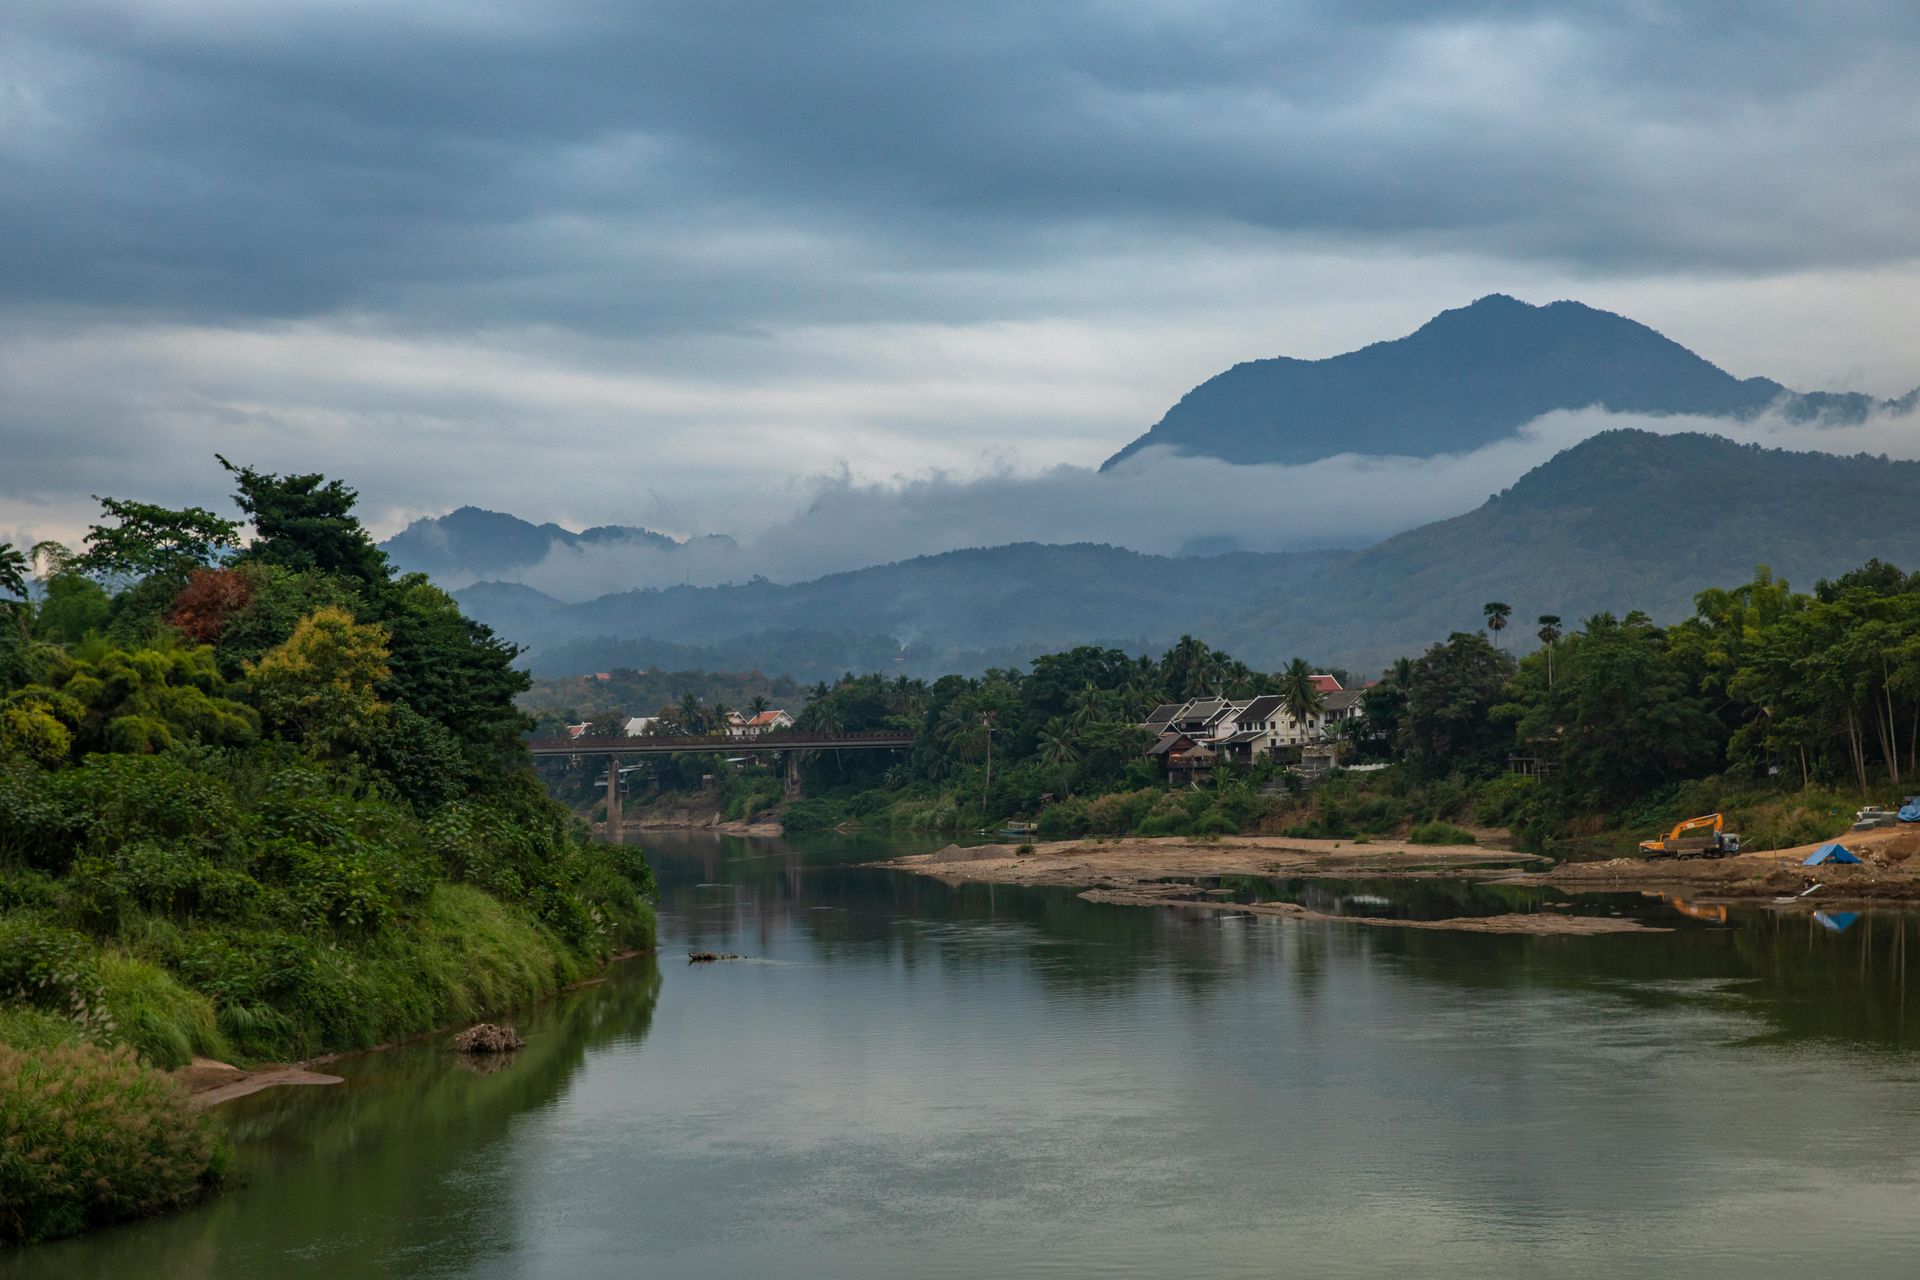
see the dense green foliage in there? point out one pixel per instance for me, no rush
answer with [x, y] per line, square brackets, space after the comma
[268, 806]
[1615, 723]
[556, 702]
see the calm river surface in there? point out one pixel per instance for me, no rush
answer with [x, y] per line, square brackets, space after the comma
[912, 1080]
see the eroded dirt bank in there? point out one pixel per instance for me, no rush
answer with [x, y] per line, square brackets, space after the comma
[1889, 871]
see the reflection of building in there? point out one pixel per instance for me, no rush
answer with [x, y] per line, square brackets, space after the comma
[1244, 731]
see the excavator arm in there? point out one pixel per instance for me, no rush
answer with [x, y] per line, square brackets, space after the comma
[1671, 842]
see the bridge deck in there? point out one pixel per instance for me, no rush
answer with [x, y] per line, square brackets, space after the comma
[684, 744]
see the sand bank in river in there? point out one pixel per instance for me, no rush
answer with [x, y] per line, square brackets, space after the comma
[1135, 872]
[1142, 860]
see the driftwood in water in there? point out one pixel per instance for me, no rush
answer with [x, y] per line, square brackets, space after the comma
[484, 1037]
[708, 957]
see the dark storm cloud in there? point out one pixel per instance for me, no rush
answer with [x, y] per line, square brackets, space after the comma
[623, 166]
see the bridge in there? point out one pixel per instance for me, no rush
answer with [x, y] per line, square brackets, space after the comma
[670, 744]
[788, 741]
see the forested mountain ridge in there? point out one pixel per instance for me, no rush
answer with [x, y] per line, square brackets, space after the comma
[1465, 379]
[1627, 516]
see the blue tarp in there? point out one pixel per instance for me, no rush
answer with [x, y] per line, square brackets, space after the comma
[1829, 853]
[1910, 812]
[1838, 921]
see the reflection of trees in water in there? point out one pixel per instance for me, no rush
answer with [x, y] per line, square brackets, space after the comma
[359, 1173]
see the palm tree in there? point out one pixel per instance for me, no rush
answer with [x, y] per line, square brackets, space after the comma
[1056, 749]
[692, 717]
[1299, 695]
[757, 705]
[1497, 614]
[987, 719]
[1548, 633]
[13, 571]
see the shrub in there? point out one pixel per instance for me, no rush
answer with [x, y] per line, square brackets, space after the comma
[92, 1137]
[43, 966]
[810, 815]
[1215, 823]
[1165, 824]
[1439, 833]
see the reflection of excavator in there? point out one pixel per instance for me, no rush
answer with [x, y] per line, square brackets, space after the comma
[1681, 843]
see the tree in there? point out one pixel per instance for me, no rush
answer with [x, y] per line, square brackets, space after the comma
[306, 522]
[155, 541]
[1057, 750]
[320, 688]
[13, 572]
[757, 705]
[1548, 633]
[137, 701]
[1448, 724]
[1497, 614]
[1300, 694]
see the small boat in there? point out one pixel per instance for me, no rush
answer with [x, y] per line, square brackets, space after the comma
[1017, 831]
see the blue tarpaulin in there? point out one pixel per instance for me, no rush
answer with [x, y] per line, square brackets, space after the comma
[1910, 811]
[1838, 921]
[1829, 853]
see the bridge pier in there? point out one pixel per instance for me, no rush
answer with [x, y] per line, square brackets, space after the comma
[793, 774]
[616, 821]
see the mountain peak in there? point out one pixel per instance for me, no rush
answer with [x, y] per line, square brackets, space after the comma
[1466, 378]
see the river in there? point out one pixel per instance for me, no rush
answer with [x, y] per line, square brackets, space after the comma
[904, 1079]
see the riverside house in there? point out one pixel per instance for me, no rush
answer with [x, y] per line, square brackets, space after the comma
[1189, 737]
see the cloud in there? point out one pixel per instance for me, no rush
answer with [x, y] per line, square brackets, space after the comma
[595, 262]
[1160, 503]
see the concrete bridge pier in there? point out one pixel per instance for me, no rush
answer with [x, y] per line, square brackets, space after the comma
[615, 819]
[793, 774]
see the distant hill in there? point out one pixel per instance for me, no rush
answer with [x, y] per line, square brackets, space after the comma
[1464, 379]
[1625, 520]
[472, 543]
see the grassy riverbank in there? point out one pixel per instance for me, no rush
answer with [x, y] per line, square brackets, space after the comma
[255, 805]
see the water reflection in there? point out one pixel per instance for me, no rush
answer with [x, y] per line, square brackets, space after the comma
[912, 1078]
[417, 1146]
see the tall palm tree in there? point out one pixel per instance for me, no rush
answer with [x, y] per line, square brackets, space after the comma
[1299, 695]
[1056, 749]
[1548, 633]
[1497, 614]
[756, 705]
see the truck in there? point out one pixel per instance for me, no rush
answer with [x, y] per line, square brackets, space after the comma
[1702, 837]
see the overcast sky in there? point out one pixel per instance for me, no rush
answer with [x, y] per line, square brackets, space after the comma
[674, 263]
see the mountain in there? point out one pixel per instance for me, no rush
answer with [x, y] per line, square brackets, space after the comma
[1464, 379]
[474, 544]
[1624, 520]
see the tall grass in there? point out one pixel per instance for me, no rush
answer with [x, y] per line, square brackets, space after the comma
[90, 1136]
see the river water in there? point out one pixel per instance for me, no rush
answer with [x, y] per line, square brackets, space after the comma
[905, 1079]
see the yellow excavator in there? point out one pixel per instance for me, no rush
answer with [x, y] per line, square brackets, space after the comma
[1681, 842]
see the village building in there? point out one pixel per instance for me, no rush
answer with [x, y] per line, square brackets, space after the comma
[740, 726]
[1190, 737]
